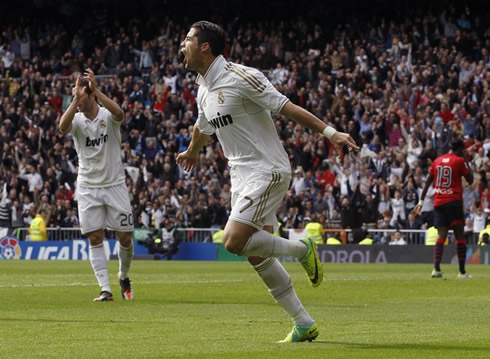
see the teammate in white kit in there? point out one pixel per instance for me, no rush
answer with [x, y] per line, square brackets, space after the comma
[103, 200]
[235, 102]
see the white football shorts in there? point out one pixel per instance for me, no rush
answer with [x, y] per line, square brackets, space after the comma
[107, 207]
[256, 195]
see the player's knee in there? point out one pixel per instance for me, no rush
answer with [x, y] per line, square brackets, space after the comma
[125, 238]
[233, 243]
[233, 246]
[255, 261]
[459, 231]
[95, 238]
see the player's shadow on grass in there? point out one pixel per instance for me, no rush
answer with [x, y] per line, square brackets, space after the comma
[47, 320]
[214, 301]
[417, 346]
[217, 301]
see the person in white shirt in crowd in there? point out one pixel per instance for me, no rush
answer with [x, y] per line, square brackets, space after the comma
[478, 217]
[145, 57]
[397, 239]
[298, 181]
[414, 151]
[32, 177]
[427, 211]
[397, 207]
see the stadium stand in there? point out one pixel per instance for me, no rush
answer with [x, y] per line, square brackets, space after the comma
[401, 85]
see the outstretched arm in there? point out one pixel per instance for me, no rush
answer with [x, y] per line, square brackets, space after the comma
[307, 119]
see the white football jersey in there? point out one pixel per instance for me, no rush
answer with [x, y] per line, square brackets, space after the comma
[98, 145]
[235, 102]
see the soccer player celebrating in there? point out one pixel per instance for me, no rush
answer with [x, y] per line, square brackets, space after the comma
[235, 102]
[446, 172]
[103, 200]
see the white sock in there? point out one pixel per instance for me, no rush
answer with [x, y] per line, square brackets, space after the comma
[98, 260]
[280, 286]
[125, 258]
[265, 244]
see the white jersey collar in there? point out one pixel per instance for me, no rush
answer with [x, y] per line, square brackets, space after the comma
[213, 72]
[96, 117]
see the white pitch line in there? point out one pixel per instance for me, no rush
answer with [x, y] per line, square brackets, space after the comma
[91, 284]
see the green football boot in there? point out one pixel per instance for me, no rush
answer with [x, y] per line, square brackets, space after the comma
[311, 263]
[300, 334]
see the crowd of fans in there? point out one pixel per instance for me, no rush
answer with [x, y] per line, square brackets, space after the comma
[402, 89]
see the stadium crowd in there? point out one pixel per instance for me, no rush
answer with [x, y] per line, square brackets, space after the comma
[401, 88]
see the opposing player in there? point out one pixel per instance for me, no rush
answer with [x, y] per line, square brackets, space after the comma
[446, 172]
[103, 200]
[235, 102]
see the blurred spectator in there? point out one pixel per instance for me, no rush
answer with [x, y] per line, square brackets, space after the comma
[64, 193]
[70, 221]
[478, 218]
[145, 55]
[43, 203]
[33, 178]
[484, 240]
[397, 239]
[6, 207]
[370, 212]
[37, 228]
[299, 180]
[413, 222]
[468, 230]
[350, 212]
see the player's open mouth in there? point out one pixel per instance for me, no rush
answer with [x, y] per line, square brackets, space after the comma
[183, 57]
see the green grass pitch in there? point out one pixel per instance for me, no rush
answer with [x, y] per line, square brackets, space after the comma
[223, 310]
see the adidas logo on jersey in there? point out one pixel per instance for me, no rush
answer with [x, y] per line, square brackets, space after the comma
[97, 141]
[221, 121]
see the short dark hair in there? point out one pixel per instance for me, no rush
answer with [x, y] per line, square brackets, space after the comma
[211, 33]
[457, 144]
[86, 83]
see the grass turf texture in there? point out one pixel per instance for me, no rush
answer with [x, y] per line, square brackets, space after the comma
[223, 310]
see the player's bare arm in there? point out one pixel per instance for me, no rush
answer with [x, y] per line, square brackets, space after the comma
[189, 158]
[307, 119]
[418, 207]
[67, 118]
[113, 107]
